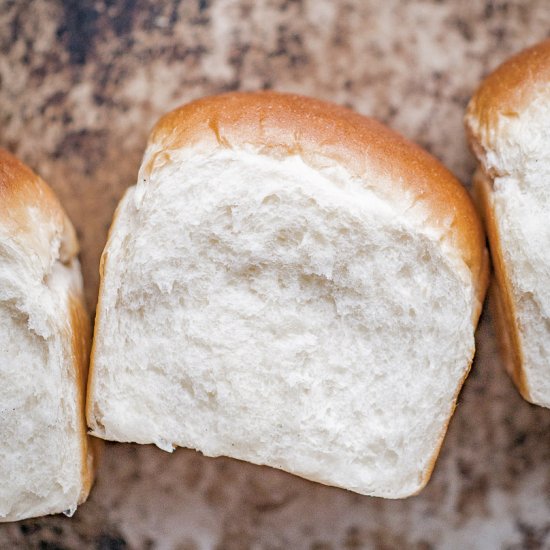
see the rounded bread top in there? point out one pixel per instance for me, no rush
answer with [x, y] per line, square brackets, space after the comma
[512, 87]
[281, 125]
[30, 213]
[508, 114]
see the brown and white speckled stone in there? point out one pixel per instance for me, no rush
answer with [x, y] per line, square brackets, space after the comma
[82, 82]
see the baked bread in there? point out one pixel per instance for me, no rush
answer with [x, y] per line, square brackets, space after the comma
[508, 123]
[291, 284]
[46, 461]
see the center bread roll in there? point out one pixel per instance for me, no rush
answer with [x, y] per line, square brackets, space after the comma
[292, 284]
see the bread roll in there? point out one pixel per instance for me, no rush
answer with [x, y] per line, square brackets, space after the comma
[291, 284]
[46, 461]
[508, 122]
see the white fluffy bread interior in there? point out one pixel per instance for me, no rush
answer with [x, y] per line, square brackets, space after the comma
[261, 309]
[517, 153]
[40, 436]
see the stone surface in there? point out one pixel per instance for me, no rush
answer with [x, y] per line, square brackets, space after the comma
[82, 82]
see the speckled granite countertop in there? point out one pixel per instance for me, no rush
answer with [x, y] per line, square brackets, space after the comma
[81, 83]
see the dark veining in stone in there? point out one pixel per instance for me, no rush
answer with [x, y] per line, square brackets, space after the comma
[78, 29]
[110, 542]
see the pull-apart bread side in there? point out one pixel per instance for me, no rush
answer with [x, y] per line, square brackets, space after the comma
[46, 459]
[508, 123]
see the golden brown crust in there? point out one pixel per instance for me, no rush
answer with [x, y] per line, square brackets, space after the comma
[511, 87]
[284, 124]
[501, 292]
[80, 341]
[20, 188]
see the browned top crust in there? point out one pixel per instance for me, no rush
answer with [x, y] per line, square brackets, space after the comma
[512, 86]
[23, 196]
[279, 125]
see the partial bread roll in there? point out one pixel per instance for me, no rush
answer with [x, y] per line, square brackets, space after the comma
[46, 463]
[291, 284]
[508, 121]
